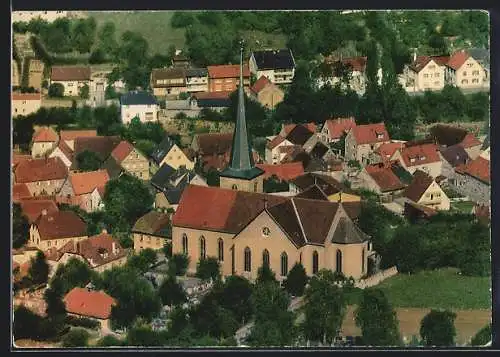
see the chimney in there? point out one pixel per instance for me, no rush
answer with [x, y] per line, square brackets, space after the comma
[44, 212]
[104, 231]
[113, 248]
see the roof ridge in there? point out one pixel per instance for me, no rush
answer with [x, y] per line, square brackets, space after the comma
[299, 220]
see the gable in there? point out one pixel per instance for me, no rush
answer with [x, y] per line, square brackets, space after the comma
[434, 187]
[132, 157]
[474, 63]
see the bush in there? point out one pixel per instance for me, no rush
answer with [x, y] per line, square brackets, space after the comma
[77, 337]
[482, 337]
[56, 90]
[82, 322]
[183, 95]
[178, 264]
[109, 341]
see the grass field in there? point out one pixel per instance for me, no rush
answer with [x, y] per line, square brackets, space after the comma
[153, 25]
[464, 206]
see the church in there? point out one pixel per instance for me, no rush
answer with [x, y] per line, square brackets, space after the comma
[246, 229]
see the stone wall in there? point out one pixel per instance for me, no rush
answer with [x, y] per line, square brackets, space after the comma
[376, 278]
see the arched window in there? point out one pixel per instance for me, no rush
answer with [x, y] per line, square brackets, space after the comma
[203, 251]
[315, 262]
[284, 264]
[220, 245]
[339, 261]
[265, 257]
[234, 187]
[248, 259]
[184, 244]
[363, 260]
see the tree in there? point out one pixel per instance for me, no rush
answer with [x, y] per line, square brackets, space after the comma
[142, 261]
[167, 249]
[208, 268]
[77, 337]
[109, 341]
[56, 90]
[57, 36]
[97, 56]
[178, 264]
[296, 280]
[122, 205]
[39, 269]
[437, 328]
[22, 132]
[83, 34]
[84, 92]
[324, 308]
[20, 227]
[265, 274]
[110, 93]
[482, 337]
[171, 292]
[274, 184]
[213, 177]
[377, 319]
[26, 323]
[88, 161]
[107, 38]
[236, 296]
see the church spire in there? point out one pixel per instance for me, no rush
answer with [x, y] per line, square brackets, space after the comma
[241, 164]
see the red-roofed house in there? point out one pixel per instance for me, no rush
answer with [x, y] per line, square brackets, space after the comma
[130, 160]
[334, 129]
[17, 158]
[44, 140]
[274, 155]
[227, 77]
[20, 191]
[32, 209]
[473, 180]
[64, 152]
[424, 157]
[42, 176]
[80, 186]
[266, 93]
[386, 152]
[382, 179]
[69, 136]
[363, 140]
[82, 302]
[425, 73]
[25, 103]
[463, 71]
[284, 172]
[424, 190]
[471, 145]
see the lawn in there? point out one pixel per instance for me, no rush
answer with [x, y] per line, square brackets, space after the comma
[464, 206]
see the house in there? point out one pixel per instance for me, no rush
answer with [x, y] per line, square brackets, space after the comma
[102, 146]
[217, 101]
[20, 191]
[284, 172]
[196, 80]
[56, 229]
[212, 148]
[471, 145]
[245, 230]
[334, 129]
[168, 81]
[424, 190]
[69, 136]
[451, 157]
[73, 78]
[138, 104]
[308, 184]
[277, 65]
[482, 56]
[473, 180]
[180, 61]
[168, 152]
[35, 74]
[80, 186]
[447, 135]
[287, 128]
[25, 103]
[18, 158]
[266, 93]
[15, 74]
[96, 305]
[425, 73]
[386, 152]
[130, 160]
[63, 152]
[463, 71]
[44, 140]
[424, 157]
[33, 208]
[225, 78]
[297, 135]
[385, 179]
[416, 213]
[151, 231]
[274, 146]
[355, 66]
[362, 140]
[41, 176]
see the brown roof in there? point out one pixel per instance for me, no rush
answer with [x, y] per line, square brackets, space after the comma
[40, 170]
[227, 71]
[152, 223]
[212, 95]
[337, 127]
[62, 224]
[98, 249]
[121, 151]
[287, 128]
[45, 134]
[447, 135]
[420, 63]
[66, 150]
[455, 155]
[214, 143]
[32, 209]
[348, 233]
[326, 183]
[420, 183]
[278, 139]
[260, 84]
[101, 145]
[384, 177]
[284, 172]
[313, 193]
[356, 63]
[458, 59]
[86, 182]
[168, 73]
[20, 191]
[478, 168]
[26, 96]
[299, 135]
[83, 302]
[70, 73]
[413, 209]
[470, 141]
[386, 150]
[370, 133]
[420, 155]
[73, 134]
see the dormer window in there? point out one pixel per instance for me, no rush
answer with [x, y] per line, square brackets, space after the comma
[412, 159]
[380, 136]
[422, 158]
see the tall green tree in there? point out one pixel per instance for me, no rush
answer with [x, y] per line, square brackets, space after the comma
[107, 38]
[377, 319]
[296, 280]
[88, 161]
[265, 274]
[83, 34]
[482, 337]
[39, 269]
[236, 296]
[208, 268]
[178, 264]
[437, 328]
[171, 292]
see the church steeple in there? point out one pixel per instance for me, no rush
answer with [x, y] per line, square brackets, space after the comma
[241, 164]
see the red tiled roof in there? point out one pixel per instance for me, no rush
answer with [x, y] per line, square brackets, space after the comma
[83, 302]
[32, 209]
[388, 149]
[214, 143]
[227, 71]
[70, 73]
[65, 149]
[469, 141]
[384, 177]
[458, 59]
[337, 127]
[121, 151]
[17, 158]
[212, 95]
[19, 191]
[26, 96]
[285, 172]
[441, 60]
[45, 134]
[420, 63]
[95, 248]
[40, 170]
[62, 224]
[278, 139]
[422, 154]
[368, 134]
[86, 182]
[357, 63]
[73, 134]
[478, 168]
[260, 84]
